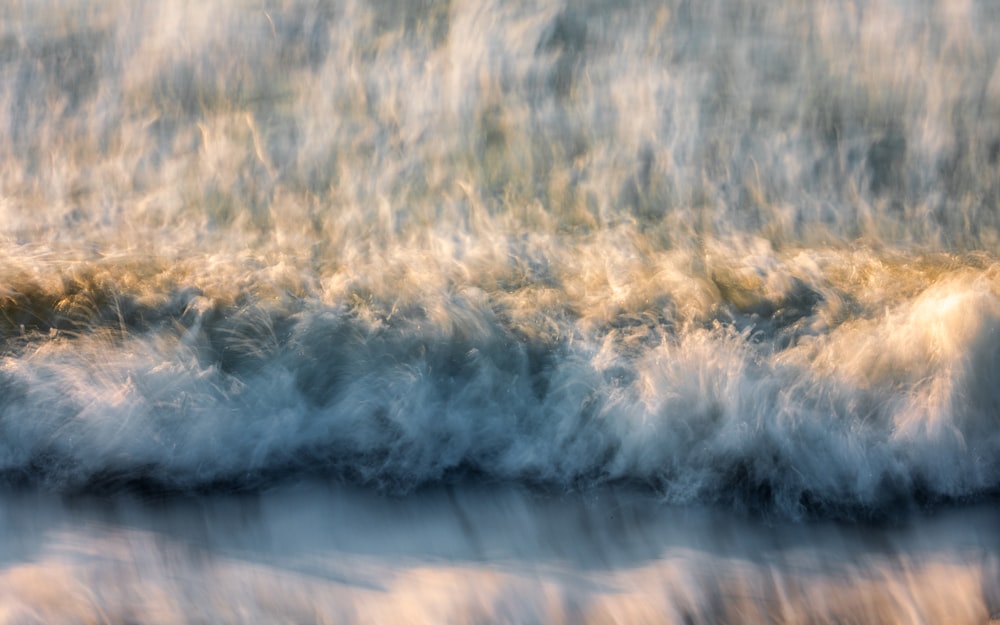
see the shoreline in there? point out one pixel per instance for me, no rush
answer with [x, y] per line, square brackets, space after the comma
[312, 552]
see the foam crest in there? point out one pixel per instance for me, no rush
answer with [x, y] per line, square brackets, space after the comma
[733, 252]
[768, 399]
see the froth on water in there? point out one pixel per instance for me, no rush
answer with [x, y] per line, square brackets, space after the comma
[733, 253]
[587, 300]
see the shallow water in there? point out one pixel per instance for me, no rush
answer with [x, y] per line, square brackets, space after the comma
[328, 554]
[730, 257]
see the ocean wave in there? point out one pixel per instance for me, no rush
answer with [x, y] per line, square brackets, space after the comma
[792, 392]
[731, 253]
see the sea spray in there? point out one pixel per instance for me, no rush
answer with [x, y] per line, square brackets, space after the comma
[798, 396]
[499, 311]
[731, 253]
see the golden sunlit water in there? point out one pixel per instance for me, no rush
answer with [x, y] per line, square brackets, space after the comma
[528, 311]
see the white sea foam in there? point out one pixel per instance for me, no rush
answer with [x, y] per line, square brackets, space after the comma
[796, 407]
[736, 253]
[477, 311]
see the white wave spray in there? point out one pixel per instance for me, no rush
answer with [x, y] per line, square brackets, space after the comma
[726, 253]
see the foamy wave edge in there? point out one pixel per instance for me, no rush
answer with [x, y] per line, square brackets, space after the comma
[799, 397]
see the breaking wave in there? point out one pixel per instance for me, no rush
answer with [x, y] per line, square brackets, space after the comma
[732, 253]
